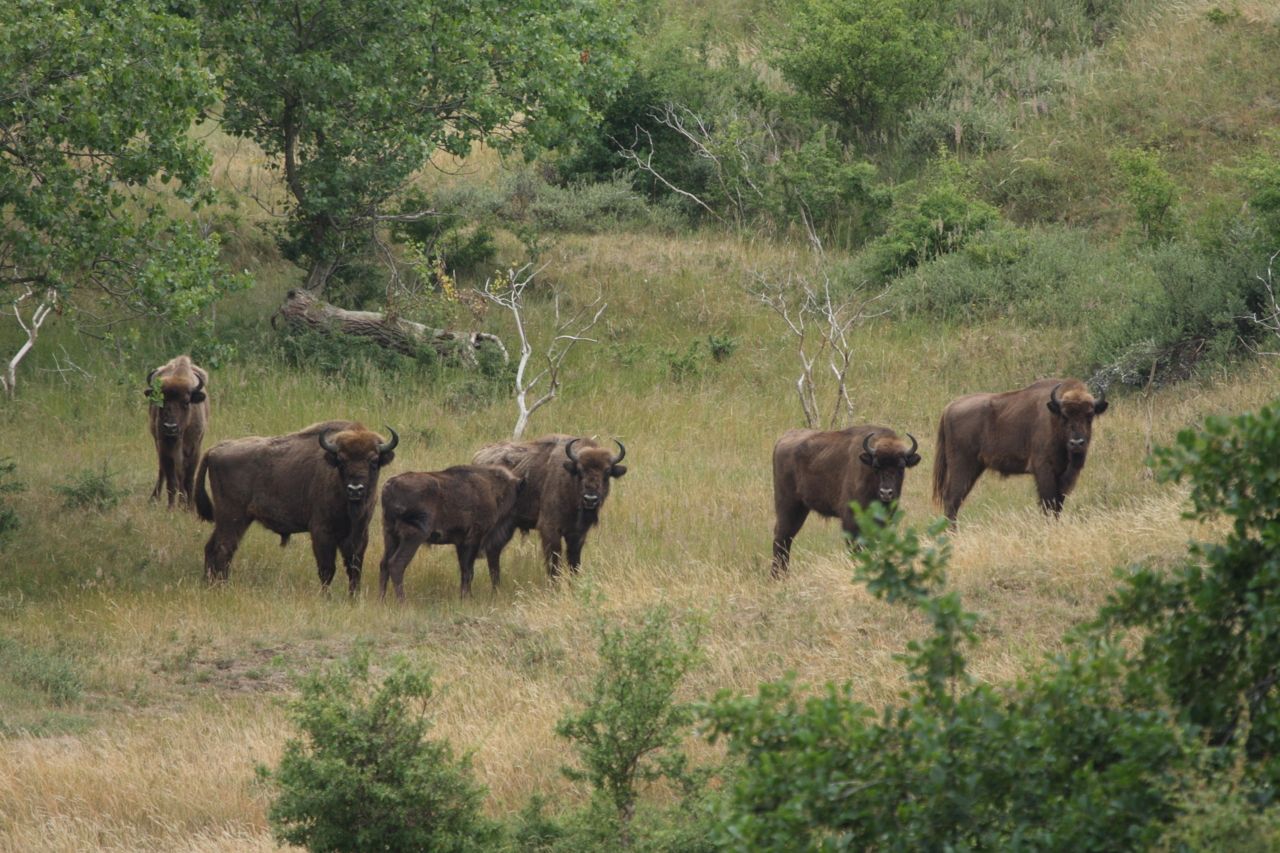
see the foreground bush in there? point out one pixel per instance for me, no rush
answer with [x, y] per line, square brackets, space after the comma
[364, 776]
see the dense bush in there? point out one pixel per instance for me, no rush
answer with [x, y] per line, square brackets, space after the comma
[861, 62]
[364, 776]
[9, 485]
[1151, 192]
[1211, 645]
[347, 355]
[94, 489]
[1053, 763]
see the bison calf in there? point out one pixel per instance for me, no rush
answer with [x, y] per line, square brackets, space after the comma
[321, 480]
[566, 484]
[471, 507]
[825, 472]
[1043, 430]
[178, 417]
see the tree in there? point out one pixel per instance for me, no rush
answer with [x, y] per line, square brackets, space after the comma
[353, 98]
[96, 103]
[861, 61]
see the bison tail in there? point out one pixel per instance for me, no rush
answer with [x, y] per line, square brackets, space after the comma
[940, 461]
[204, 506]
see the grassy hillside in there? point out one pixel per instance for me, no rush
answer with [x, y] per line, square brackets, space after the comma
[138, 700]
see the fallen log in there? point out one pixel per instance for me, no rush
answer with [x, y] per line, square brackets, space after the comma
[302, 308]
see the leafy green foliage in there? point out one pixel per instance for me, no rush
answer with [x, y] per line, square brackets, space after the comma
[353, 99]
[91, 489]
[1151, 191]
[861, 62]
[1050, 764]
[931, 221]
[49, 673]
[337, 354]
[631, 726]
[96, 103]
[364, 776]
[1211, 644]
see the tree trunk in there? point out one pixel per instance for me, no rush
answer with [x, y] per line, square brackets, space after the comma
[302, 308]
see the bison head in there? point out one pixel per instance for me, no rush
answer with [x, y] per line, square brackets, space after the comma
[174, 399]
[592, 468]
[358, 453]
[1074, 410]
[889, 459]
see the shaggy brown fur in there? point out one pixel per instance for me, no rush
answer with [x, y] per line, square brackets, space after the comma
[321, 480]
[471, 507]
[825, 472]
[177, 417]
[566, 483]
[1043, 430]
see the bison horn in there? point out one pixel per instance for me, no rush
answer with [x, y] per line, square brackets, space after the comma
[568, 450]
[1053, 395]
[1102, 396]
[622, 453]
[866, 443]
[390, 445]
[327, 444]
[152, 375]
[914, 444]
[199, 383]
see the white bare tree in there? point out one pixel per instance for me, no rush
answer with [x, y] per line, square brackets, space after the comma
[40, 303]
[821, 316]
[567, 330]
[1270, 319]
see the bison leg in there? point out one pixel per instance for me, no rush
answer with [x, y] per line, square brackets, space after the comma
[1049, 491]
[353, 550]
[326, 553]
[222, 546]
[155, 493]
[169, 474]
[573, 550]
[551, 554]
[396, 556]
[961, 475]
[494, 556]
[190, 463]
[789, 521]
[466, 566]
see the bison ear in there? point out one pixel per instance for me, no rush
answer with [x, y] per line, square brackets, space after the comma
[385, 458]
[197, 397]
[617, 470]
[1054, 407]
[1100, 407]
[572, 468]
[913, 460]
[867, 458]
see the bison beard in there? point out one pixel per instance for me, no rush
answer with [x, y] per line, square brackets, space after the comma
[321, 480]
[1043, 430]
[471, 507]
[566, 483]
[825, 472]
[177, 418]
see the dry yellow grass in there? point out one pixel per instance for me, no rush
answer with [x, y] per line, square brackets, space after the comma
[184, 683]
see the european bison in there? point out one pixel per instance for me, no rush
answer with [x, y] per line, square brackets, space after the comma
[178, 416]
[471, 507]
[321, 480]
[825, 472]
[1042, 430]
[566, 483]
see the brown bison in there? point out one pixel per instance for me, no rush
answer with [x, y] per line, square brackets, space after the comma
[471, 507]
[321, 480]
[1042, 430]
[825, 472]
[566, 483]
[178, 417]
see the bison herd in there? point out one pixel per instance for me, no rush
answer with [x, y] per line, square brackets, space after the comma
[322, 480]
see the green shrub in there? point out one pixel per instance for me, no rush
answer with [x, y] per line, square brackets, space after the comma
[684, 365]
[364, 776]
[1210, 643]
[860, 63]
[1151, 191]
[36, 669]
[337, 354]
[1052, 763]
[721, 347]
[90, 489]
[631, 725]
[929, 222]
